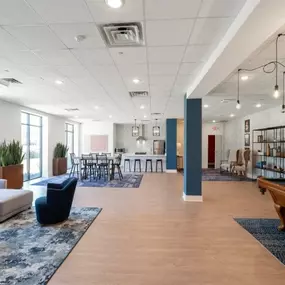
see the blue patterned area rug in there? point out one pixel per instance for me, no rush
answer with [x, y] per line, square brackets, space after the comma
[129, 181]
[267, 233]
[30, 253]
[215, 175]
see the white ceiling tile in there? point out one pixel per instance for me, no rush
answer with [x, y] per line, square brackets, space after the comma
[159, 91]
[143, 86]
[36, 37]
[58, 57]
[221, 8]
[182, 82]
[73, 72]
[133, 70]
[131, 11]
[63, 11]
[170, 9]
[93, 56]
[207, 31]
[8, 43]
[15, 12]
[165, 54]
[196, 53]
[25, 58]
[68, 32]
[163, 68]
[164, 81]
[188, 68]
[130, 55]
[169, 32]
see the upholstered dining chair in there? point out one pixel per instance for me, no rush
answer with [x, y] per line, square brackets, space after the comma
[228, 164]
[241, 167]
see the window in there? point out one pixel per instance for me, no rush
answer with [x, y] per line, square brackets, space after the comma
[69, 141]
[32, 145]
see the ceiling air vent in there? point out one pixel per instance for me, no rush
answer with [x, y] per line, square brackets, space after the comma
[228, 100]
[71, 109]
[122, 34]
[7, 81]
[134, 94]
[156, 114]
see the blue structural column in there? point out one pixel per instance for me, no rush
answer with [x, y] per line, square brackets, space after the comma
[192, 150]
[171, 145]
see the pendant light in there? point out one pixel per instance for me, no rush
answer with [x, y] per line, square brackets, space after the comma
[238, 105]
[276, 88]
[156, 130]
[135, 130]
[283, 95]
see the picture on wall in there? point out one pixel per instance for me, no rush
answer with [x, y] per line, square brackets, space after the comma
[247, 126]
[247, 140]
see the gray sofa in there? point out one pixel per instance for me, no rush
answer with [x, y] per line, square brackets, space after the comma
[13, 201]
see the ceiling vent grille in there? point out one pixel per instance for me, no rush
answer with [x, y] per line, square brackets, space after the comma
[227, 100]
[156, 114]
[71, 109]
[135, 94]
[122, 34]
[7, 81]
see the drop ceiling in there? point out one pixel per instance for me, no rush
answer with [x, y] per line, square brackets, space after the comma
[38, 47]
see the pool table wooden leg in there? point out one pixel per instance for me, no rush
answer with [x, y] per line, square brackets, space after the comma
[281, 213]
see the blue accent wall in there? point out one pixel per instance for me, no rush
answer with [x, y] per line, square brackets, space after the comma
[171, 144]
[193, 147]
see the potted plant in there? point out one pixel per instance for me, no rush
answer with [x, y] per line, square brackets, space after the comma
[11, 167]
[60, 159]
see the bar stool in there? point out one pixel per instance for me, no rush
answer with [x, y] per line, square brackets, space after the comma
[135, 164]
[146, 162]
[161, 165]
[129, 161]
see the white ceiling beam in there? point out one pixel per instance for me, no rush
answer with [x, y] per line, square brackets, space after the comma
[256, 22]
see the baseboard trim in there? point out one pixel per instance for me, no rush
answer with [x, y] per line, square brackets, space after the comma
[192, 198]
[171, 170]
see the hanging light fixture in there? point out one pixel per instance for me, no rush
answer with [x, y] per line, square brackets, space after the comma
[156, 130]
[283, 95]
[238, 105]
[135, 130]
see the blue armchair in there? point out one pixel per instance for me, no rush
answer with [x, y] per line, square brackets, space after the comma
[55, 207]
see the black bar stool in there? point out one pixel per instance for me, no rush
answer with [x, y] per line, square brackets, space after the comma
[146, 163]
[129, 161]
[161, 165]
[137, 160]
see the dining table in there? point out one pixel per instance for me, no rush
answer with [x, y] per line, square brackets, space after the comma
[83, 165]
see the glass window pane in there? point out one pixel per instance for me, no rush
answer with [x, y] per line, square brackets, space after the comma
[70, 127]
[35, 120]
[35, 152]
[24, 118]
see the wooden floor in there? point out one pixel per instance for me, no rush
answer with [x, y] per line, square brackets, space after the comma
[150, 236]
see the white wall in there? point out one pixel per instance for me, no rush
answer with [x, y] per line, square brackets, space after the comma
[53, 130]
[96, 128]
[124, 138]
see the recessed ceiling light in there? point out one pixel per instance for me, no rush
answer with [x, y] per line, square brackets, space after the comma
[59, 82]
[96, 107]
[110, 116]
[206, 106]
[258, 105]
[75, 117]
[142, 107]
[244, 78]
[115, 3]
[136, 81]
[214, 121]
[232, 115]
[145, 116]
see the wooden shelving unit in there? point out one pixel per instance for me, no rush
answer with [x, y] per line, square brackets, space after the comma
[268, 152]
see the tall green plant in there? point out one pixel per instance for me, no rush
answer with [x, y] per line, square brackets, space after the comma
[60, 150]
[11, 153]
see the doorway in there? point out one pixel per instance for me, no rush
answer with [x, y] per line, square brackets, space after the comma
[32, 145]
[214, 151]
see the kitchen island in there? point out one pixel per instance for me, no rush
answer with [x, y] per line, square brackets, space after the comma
[143, 158]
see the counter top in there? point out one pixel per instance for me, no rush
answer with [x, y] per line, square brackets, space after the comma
[144, 155]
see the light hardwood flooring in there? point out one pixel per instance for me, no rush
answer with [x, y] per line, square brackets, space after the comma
[150, 236]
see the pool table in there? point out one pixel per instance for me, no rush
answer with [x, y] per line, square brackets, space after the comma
[276, 188]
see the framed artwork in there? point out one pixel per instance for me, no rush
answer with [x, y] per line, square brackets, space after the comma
[247, 126]
[247, 140]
